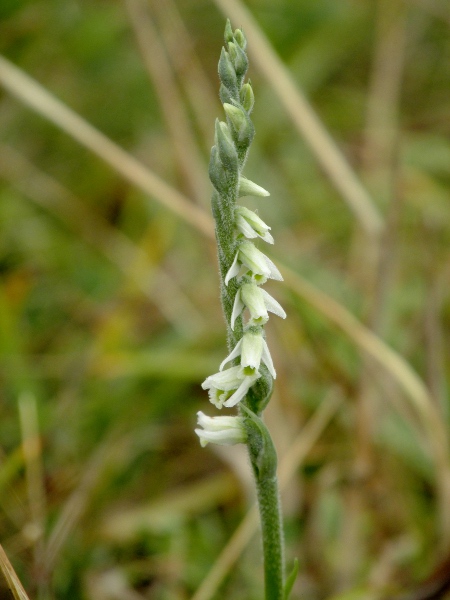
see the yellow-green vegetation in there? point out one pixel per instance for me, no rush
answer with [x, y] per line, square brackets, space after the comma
[110, 316]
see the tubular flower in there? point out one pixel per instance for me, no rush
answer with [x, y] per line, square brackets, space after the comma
[227, 388]
[252, 348]
[251, 226]
[258, 263]
[258, 302]
[225, 431]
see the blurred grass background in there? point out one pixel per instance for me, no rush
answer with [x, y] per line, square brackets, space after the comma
[109, 303]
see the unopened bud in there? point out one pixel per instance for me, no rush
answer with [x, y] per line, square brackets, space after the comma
[227, 72]
[248, 188]
[240, 38]
[239, 59]
[247, 97]
[241, 123]
[228, 35]
[225, 94]
[225, 147]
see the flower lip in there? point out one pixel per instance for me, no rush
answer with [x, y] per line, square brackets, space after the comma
[225, 431]
[228, 387]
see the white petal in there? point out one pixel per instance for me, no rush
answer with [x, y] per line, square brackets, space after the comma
[234, 269]
[272, 305]
[258, 226]
[228, 437]
[245, 228]
[254, 259]
[216, 423]
[267, 238]
[224, 380]
[267, 359]
[238, 307]
[234, 354]
[252, 348]
[254, 300]
[274, 272]
[242, 390]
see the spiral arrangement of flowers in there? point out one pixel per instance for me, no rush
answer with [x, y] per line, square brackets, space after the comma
[244, 268]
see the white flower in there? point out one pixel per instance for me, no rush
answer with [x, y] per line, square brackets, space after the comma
[225, 431]
[259, 264]
[249, 188]
[252, 348]
[258, 302]
[251, 226]
[228, 387]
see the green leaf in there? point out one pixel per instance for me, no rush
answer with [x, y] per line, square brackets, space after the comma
[291, 580]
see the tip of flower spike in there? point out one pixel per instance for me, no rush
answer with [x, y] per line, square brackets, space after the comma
[228, 35]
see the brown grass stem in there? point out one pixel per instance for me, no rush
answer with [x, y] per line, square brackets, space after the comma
[30, 92]
[191, 163]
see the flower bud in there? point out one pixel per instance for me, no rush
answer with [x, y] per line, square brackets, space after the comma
[225, 147]
[239, 59]
[240, 38]
[248, 188]
[228, 35]
[227, 73]
[247, 97]
[224, 94]
[241, 123]
[217, 173]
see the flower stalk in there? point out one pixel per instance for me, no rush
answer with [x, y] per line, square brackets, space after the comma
[245, 377]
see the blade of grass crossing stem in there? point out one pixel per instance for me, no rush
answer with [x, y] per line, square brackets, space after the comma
[12, 580]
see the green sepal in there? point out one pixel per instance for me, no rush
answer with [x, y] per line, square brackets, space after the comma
[228, 35]
[227, 73]
[226, 148]
[263, 455]
[247, 97]
[239, 59]
[217, 173]
[290, 580]
[259, 394]
[240, 38]
[241, 125]
[225, 94]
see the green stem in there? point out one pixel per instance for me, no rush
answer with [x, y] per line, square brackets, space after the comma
[272, 538]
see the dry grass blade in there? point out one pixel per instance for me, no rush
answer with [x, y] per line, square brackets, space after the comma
[203, 99]
[43, 102]
[305, 119]
[248, 526]
[191, 163]
[78, 501]
[402, 373]
[34, 470]
[11, 578]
